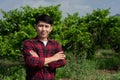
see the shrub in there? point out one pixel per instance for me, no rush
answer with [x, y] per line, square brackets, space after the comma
[77, 69]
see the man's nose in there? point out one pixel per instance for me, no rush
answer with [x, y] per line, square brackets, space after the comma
[43, 28]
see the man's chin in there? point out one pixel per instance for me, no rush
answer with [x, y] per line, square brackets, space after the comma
[43, 36]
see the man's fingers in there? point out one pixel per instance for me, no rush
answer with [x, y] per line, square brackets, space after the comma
[33, 53]
[59, 56]
[60, 52]
[63, 55]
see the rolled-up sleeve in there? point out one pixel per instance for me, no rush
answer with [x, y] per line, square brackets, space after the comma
[59, 63]
[30, 60]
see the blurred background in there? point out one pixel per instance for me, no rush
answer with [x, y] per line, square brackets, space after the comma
[87, 30]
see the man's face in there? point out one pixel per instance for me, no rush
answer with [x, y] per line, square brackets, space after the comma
[43, 29]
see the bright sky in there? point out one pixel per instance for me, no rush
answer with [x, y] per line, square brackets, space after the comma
[67, 6]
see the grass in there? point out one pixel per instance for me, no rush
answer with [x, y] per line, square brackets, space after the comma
[11, 70]
[86, 71]
[75, 69]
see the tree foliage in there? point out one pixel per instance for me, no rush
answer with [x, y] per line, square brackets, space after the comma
[80, 35]
[18, 25]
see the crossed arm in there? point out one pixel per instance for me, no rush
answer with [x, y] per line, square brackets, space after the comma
[33, 60]
[56, 57]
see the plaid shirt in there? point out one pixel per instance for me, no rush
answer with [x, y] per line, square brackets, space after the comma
[35, 69]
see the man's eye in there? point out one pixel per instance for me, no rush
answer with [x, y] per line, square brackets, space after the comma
[41, 25]
[46, 26]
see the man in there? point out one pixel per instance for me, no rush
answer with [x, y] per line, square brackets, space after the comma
[42, 55]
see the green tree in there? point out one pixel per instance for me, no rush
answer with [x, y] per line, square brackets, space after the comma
[18, 24]
[76, 34]
[80, 35]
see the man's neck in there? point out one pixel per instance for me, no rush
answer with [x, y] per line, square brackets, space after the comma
[43, 39]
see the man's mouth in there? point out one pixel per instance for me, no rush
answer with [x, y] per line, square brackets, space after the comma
[43, 33]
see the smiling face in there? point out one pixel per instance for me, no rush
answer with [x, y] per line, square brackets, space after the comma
[43, 29]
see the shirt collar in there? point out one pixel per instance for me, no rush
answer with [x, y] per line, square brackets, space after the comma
[37, 39]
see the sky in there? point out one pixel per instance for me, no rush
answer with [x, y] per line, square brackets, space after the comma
[67, 6]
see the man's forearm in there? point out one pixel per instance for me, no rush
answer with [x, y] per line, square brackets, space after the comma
[56, 57]
[48, 60]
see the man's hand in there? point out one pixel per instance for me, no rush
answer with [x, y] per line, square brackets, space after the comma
[58, 56]
[33, 53]
[55, 57]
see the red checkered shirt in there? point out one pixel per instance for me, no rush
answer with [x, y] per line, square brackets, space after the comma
[35, 69]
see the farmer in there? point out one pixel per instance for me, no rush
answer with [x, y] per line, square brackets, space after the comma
[42, 55]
